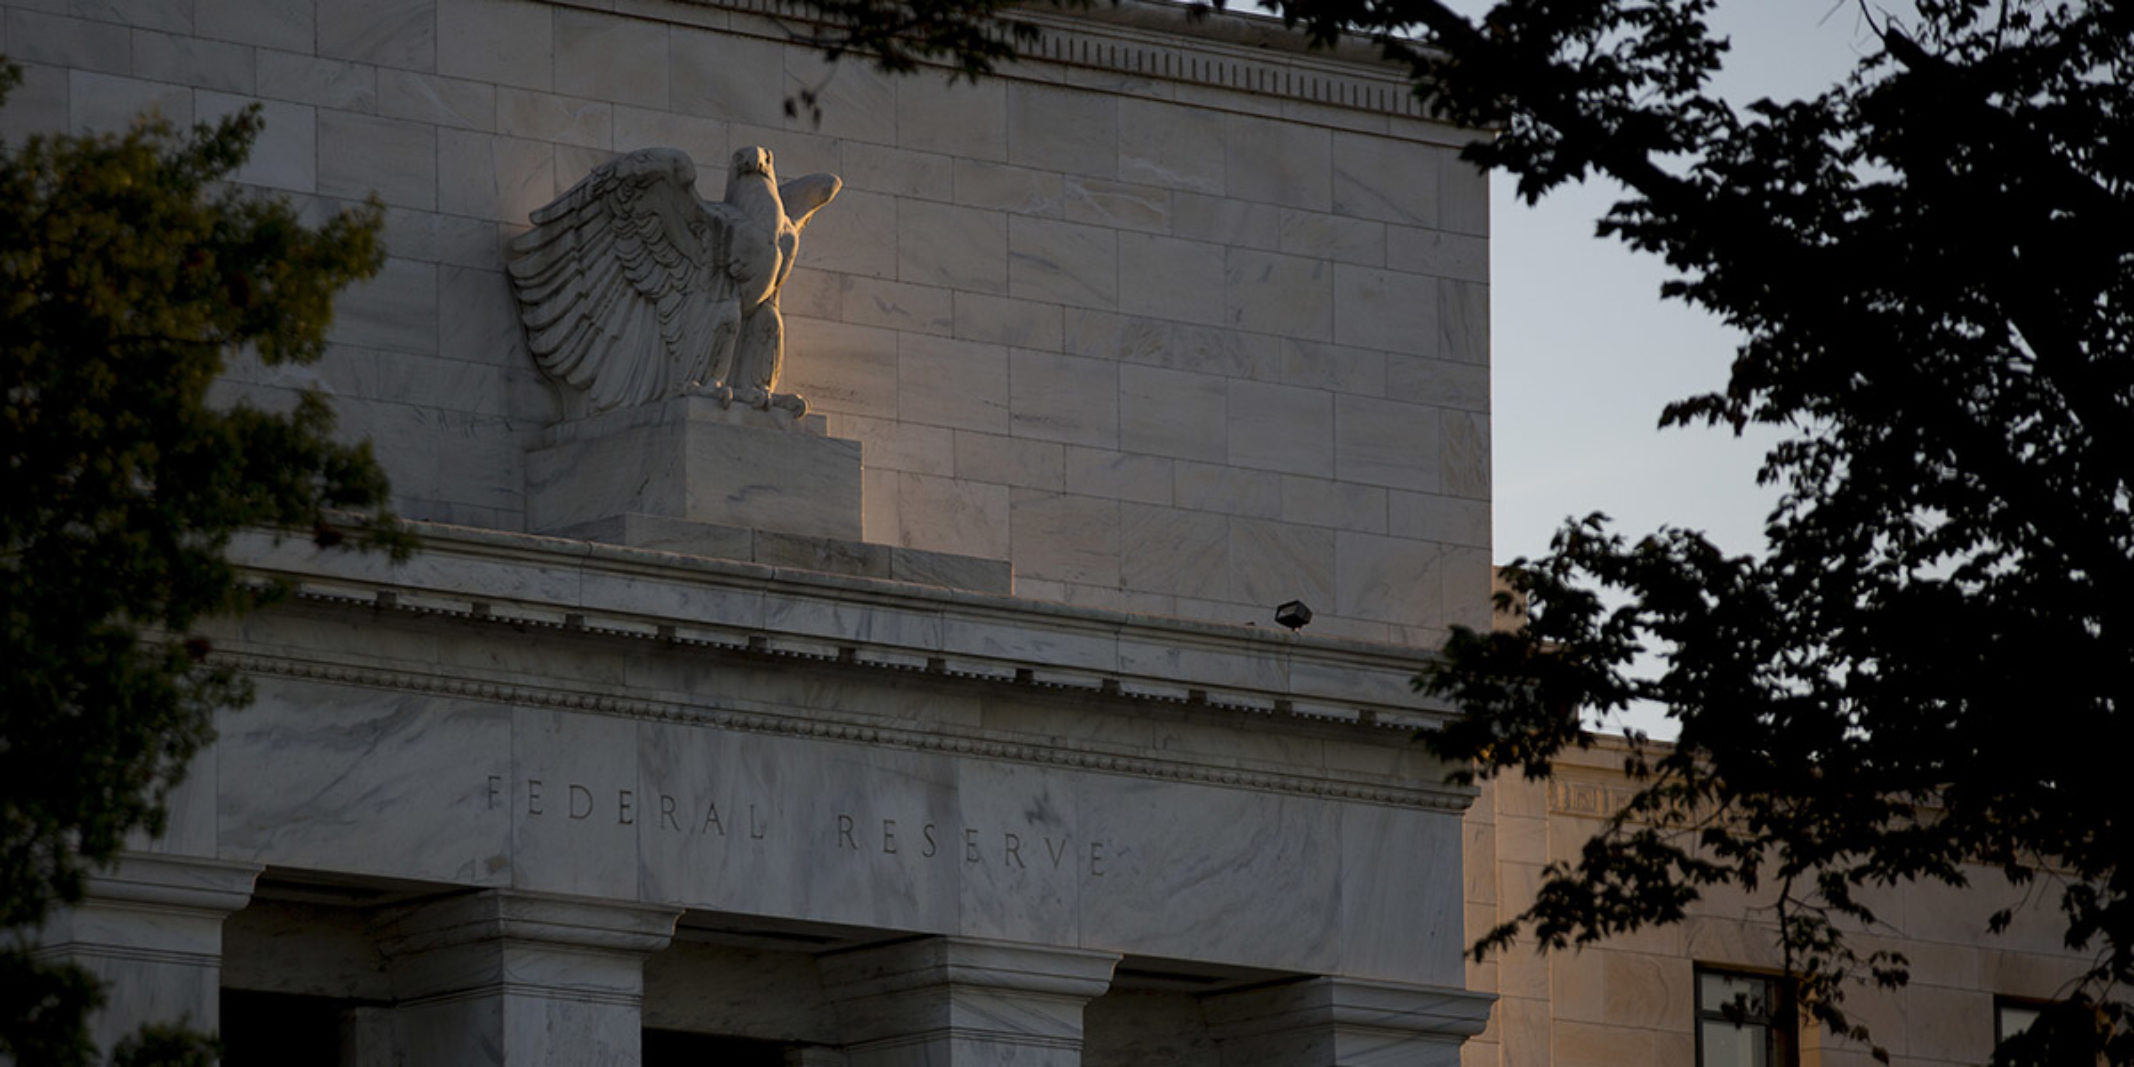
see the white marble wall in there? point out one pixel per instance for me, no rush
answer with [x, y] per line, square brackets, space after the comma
[518, 980]
[1168, 347]
[961, 1001]
[149, 929]
[846, 832]
[582, 743]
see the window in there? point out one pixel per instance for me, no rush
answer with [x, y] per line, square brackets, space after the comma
[2012, 1017]
[1743, 1020]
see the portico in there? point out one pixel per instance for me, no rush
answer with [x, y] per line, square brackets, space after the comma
[655, 793]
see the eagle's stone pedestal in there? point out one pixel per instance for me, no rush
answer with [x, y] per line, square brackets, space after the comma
[639, 470]
[692, 476]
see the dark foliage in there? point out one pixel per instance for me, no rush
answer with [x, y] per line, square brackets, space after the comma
[129, 272]
[1931, 263]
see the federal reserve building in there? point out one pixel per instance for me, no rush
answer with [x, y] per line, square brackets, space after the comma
[912, 571]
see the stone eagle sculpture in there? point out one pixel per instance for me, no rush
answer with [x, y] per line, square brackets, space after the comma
[633, 288]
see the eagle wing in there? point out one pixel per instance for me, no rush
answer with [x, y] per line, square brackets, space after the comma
[805, 195]
[619, 284]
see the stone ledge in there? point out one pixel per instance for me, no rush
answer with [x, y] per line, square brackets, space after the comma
[920, 997]
[154, 907]
[465, 949]
[1233, 51]
[538, 918]
[682, 409]
[968, 961]
[1325, 783]
[1337, 1020]
[829, 555]
[531, 580]
[168, 882]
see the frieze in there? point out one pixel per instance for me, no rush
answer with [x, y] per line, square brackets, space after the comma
[807, 647]
[826, 726]
[845, 831]
[526, 583]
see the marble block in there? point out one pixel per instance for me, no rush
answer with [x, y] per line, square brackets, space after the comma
[692, 458]
[680, 536]
[149, 927]
[829, 555]
[511, 978]
[1344, 1022]
[956, 1001]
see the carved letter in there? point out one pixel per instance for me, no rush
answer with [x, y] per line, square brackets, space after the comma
[889, 836]
[711, 819]
[755, 829]
[844, 832]
[666, 812]
[533, 796]
[1013, 847]
[494, 781]
[576, 792]
[970, 846]
[929, 832]
[623, 815]
[1056, 852]
[1096, 856]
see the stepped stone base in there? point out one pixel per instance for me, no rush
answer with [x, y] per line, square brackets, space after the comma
[690, 476]
[690, 458]
[828, 554]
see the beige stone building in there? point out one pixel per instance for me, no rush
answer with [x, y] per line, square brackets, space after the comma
[1649, 998]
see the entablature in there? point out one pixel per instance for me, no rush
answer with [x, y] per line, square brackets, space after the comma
[1241, 678]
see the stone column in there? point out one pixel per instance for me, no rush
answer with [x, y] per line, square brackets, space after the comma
[1344, 1022]
[964, 1002]
[514, 979]
[150, 928]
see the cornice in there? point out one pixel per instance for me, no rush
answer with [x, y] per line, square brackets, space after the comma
[1234, 51]
[518, 582]
[1136, 39]
[535, 581]
[817, 725]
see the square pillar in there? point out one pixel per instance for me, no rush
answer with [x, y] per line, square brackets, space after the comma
[964, 1002]
[1344, 1022]
[501, 978]
[149, 927]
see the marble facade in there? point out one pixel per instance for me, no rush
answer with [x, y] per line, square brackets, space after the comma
[1158, 314]
[533, 800]
[944, 724]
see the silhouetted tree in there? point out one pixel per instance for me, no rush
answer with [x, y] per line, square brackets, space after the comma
[129, 272]
[1931, 263]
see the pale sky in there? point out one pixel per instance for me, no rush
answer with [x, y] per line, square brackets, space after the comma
[1584, 353]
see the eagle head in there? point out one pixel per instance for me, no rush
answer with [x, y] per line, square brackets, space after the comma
[755, 159]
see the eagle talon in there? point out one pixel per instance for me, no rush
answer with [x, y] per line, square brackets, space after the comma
[720, 393]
